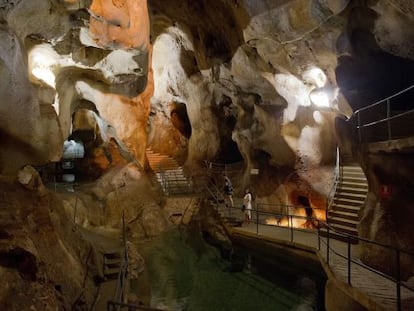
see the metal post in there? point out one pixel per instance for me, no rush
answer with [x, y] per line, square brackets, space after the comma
[291, 228]
[398, 276]
[257, 219]
[388, 120]
[349, 260]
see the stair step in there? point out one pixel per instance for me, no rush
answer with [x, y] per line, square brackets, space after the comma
[113, 255]
[354, 178]
[362, 185]
[348, 202]
[347, 188]
[351, 196]
[345, 208]
[351, 224]
[114, 258]
[344, 215]
[352, 168]
[345, 229]
[114, 265]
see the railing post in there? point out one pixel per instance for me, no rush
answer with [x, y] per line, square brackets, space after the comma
[388, 120]
[291, 228]
[349, 260]
[398, 282]
[257, 219]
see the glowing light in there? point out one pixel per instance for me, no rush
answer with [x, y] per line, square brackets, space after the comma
[320, 98]
[324, 96]
[42, 59]
[56, 104]
[315, 76]
[297, 222]
[317, 116]
[44, 74]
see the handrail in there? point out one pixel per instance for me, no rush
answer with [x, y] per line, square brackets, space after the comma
[336, 180]
[115, 305]
[349, 238]
[120, 292]
[174, 183]
[385, 99]
[388, 117]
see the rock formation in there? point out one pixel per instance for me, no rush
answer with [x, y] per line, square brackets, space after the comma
[266, 83]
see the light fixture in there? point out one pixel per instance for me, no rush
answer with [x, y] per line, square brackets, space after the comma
[323, 97]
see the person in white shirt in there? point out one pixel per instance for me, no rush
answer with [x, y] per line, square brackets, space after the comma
[247, 204]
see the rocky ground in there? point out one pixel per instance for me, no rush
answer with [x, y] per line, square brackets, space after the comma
[47, 230]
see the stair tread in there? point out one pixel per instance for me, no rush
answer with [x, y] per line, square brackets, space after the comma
[354, 181]
[351, 194]
[112, 270]
[353, 177]
[348, 200]
[110, 261]
[343, 213]
[350, 221]
[348, 188]
[343, 228]
[343, 206]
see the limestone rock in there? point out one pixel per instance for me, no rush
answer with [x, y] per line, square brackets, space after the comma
[30, 179]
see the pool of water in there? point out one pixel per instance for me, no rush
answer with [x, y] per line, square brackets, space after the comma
[188, 274]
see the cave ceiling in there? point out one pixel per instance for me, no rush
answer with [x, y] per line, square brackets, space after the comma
[218, 80]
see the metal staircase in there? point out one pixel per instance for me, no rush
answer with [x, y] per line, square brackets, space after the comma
[350, 195]
[169, 174]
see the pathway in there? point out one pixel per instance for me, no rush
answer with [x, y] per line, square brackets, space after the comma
[371, 290]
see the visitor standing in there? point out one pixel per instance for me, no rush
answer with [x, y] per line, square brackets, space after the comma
[228, 189]
[247, 204]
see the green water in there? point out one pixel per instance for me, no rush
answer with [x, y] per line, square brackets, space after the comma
[188, 274]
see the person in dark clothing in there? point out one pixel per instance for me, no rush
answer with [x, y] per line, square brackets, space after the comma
[228, 189]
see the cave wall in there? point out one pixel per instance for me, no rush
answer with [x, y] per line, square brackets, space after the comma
[258, 87]
[245, 71]
[55, 54]
[248, 99]
[375, 62]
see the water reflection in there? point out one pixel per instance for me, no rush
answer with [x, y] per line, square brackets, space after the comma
[188, 274]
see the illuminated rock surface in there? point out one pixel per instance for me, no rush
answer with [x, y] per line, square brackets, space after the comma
[258, 82]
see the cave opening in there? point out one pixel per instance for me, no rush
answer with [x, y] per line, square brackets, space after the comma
[180, 120]
[226, 113]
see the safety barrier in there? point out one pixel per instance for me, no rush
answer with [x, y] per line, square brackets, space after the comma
[260, 216]
[383, 120]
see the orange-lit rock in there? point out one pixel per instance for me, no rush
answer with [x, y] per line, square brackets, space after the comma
[120, 23]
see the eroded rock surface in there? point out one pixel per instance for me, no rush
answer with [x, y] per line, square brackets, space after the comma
[257, 82]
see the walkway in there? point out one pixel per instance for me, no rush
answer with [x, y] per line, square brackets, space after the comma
[105, 241]
[371, 290]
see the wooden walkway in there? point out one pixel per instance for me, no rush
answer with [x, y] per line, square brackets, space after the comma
[371, 290]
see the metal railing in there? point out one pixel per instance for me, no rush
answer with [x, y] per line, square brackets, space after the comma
[385, 119]
[323, 230]
[336, 179]
[174, 183]
[121, 284]
[128, 306]
[119, 303]
[396, 279]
